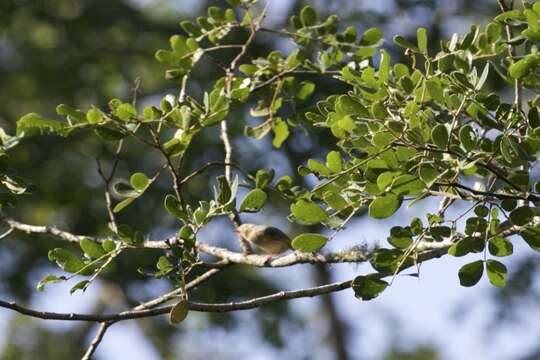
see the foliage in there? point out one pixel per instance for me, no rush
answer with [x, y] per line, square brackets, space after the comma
[402, 132]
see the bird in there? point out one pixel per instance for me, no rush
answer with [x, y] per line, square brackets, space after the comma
[269, 239]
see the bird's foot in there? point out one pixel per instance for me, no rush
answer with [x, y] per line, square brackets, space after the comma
[269, 258]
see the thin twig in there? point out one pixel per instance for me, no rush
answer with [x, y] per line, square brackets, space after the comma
[206, 166]
[7, 232]
[96, 340]
[176, 292]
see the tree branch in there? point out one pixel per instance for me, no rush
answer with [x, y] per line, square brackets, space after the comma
[353, 255]
[439, 249]
[96, 341]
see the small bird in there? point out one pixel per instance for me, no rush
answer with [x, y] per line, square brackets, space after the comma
[269, 239]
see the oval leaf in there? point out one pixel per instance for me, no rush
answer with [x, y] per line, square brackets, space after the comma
[91, 248]
[253, 201]
[309, 242]
[179, 312]
[308, 212]
[366, 288]
[139, 181]
[471, 273]
[384, 206]
[496, 272]
[439, 135]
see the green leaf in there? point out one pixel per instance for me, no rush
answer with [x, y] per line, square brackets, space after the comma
[49, 279]
[435, 90]
[522, 215]
[367, 288]
[407, 184]
[123, 204]
[387, 260]
[384, 206]
[66, 260]
[496, 272]
[91, 248]
[81, 285]
[73, 116]
[510, 14]
[384, 67]
[308, 212]
[306, 89]
[334, 161]
[164, 265]
[482, 78]
[471, 273]
[499, 246]
[309, 242]
[400, 237]
[33, 123]
[481, 211]
[94, 116]
[125, 112]
[179, 312]
[187, 235]
[466, 246]
[421, 34]
[522, 67]
[108, 134]
[401, 41]
[531, 235]
[467, 138]
[173, 207]
[108, 245]
[317, 168]
[253, 201]
[440, 136]
[174, 147]
[371, 36]
[428, 174]
[139, 181]
[259, 131]
[308, 16]
[263, 178]
[335, 201]
[281, 132]
[475, 224]
[384, 180]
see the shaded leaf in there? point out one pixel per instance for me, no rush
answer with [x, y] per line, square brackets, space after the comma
[367, 288]
[471, 273]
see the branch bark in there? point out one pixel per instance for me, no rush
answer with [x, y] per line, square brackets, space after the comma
[96, 341]
[439, 250]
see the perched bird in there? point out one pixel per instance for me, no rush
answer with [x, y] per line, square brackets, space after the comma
[269, 239]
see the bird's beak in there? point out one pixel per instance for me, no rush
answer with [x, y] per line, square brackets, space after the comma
[235, 230]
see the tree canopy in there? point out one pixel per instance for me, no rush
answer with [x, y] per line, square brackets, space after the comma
[457, 122]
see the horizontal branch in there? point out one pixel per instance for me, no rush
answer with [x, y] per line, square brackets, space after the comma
[354, 255]
[439, 250]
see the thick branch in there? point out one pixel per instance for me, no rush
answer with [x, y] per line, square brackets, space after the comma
[354, 255]
[439, 250]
